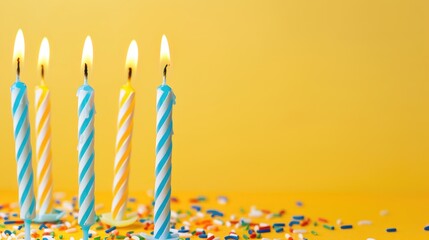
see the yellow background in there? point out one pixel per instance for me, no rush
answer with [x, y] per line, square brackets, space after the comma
[271, 95]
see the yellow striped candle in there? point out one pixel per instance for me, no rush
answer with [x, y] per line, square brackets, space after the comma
[123, 139]
[43, 136]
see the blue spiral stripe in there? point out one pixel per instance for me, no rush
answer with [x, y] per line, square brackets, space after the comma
[163, 183]
[86, 167]
[161, 163]
[18, 100]
[86, 145]
[21, 121]
[163, 228]
[161, 100]
[164, 202]
[26, 190]
[33, 204]
[25, 167]
[86, 122]
[86, 190]
[23, 144]
[87, 213]
[164, 138]
[164, 117]
[84, 102]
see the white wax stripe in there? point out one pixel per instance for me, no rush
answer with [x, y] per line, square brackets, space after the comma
[119, 174]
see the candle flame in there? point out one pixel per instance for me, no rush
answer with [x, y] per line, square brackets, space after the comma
[132, 57]
[87, 53]
[165, 52]
[19, 47]
[44, 53]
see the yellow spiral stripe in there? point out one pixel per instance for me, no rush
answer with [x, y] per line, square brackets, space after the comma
[43, 151]
[123, 152]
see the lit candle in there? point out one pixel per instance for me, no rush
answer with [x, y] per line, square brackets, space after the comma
[164, 132]
[23, 150]
[43, 136]
[86, 111]
[123, 138]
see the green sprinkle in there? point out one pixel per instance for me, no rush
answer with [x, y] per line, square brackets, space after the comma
[245, 236]
[328, 227]
[120, 237]
[97, 238]
[61, 236]
[315, 224]
[314, 233]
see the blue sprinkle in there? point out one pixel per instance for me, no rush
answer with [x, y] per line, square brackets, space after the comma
[196, 207]
[279, 230]
[264, 230]
[298, 217]
[7, 232]
[250, 231]
[203, 235]
[110, 229]
[346, 227]
[299, 203]
[391, 230]
[231, 237]
[132, 199]
[279, 225]
[426, 228]
[215, 213]
[291, 223]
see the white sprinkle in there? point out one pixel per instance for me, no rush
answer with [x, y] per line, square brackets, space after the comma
[300, 231]
[339, 222]
[384, 212]
[99, 207]
[364, 222]
[370, 239]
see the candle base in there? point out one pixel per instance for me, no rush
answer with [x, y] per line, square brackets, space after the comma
[55, 216]
[173, 236]
[108, 219]
[27, 229]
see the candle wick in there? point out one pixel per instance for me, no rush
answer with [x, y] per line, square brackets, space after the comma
[130, 73]
[42, 72]
[165, 74]
[85, 73]
[18, 67]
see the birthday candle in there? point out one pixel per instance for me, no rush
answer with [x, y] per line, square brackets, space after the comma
[43, 136]
[23, 150]
[86, 111]
[123, 138]
[164, 131]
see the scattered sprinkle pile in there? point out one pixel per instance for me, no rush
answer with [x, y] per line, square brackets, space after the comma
[194, 222]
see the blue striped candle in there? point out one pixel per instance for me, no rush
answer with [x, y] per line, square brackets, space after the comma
[86, 156]
[23, 152]
[164, 131]
[86, 112]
